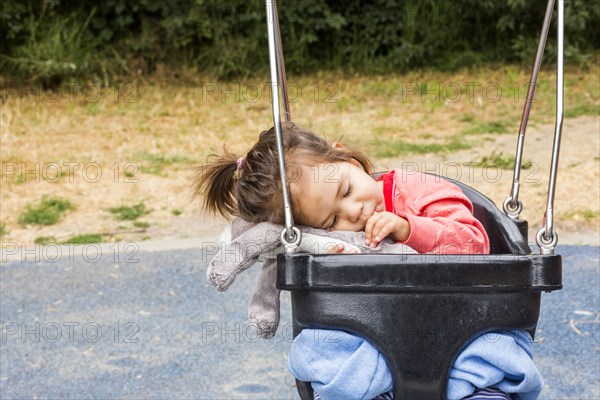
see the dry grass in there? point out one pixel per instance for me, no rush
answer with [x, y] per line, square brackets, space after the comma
[145, 142]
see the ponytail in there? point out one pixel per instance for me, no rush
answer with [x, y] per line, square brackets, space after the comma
[215, 181]
[254, 191]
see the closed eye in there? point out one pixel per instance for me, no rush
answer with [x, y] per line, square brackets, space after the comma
[335, 218]
[333, 223]
[349, 191]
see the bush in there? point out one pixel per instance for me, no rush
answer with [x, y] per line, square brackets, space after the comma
[55, 49]
[63, 38]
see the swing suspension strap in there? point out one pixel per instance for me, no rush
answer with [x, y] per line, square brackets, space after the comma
[546, 237]
[290, 236]
[512, 205]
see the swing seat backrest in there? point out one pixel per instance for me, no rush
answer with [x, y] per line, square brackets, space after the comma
[505, 237]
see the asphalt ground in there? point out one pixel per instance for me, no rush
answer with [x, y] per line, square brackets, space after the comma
[135, 324]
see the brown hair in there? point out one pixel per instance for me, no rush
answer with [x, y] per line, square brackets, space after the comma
[253, 191]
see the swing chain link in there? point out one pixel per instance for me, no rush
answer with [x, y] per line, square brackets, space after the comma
[510, 209]
[546, 245]
[291, 244]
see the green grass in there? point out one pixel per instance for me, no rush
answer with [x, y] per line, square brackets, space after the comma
[584, 109]
[92, 108]
[395, 148]
[467, 118]
[140, 224]
[3, 230]
[47, 212]
[49, 175]
[44, 240]
[155, 163]
[386, 88]
[85, 238]
[585, 215]
[176, 212]
[498, 127]
[456, 144]
[129, 213]
[501, 161]
[78, 239]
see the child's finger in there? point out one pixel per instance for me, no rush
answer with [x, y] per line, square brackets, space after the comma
[369, 227]
[378, 232]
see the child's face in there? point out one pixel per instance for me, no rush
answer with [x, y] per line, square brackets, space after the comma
[337, 196]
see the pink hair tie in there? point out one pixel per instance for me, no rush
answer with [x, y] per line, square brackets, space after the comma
[240, 163]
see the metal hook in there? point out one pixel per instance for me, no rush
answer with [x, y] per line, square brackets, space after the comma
[291, 245]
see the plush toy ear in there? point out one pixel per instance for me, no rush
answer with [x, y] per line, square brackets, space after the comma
[236, 256]
[263, 310]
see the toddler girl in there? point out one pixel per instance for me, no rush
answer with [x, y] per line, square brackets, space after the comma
[331, 187]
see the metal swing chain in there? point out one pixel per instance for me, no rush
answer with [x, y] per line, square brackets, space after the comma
[546, 237]
[512, 205]
[290, 236]
[281, 67]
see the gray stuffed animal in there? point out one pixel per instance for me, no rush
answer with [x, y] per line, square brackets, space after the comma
[245, 243]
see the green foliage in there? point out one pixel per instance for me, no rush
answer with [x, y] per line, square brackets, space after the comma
[479, 128]
[154, 163]
[586, 215]
[584, 109]
[3, 230]
[54, 49]
[47, 212]
[129, 213]
[394, 148]
[45, 39]
[44, 240]
[84, 239]
[501, 161]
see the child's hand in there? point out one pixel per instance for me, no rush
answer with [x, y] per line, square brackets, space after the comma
[383, 224]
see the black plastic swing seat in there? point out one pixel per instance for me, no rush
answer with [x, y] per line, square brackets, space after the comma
[421, 310]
